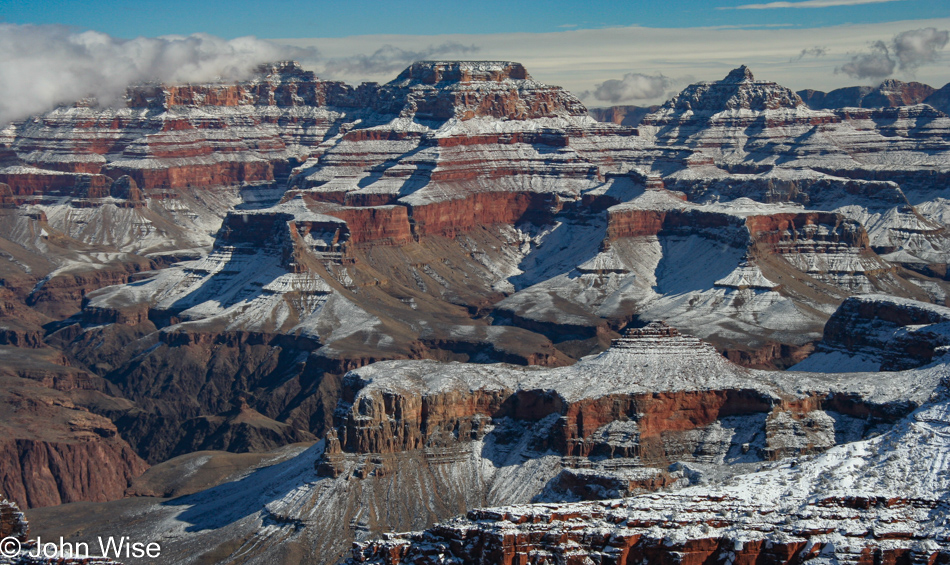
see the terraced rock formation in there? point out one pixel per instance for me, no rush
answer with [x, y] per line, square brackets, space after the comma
[844, 505]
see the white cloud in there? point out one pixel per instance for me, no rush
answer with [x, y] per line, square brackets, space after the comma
[42, 66]
[633, 86]
[805, 4]
[876, 64]
[916, 47]
[908, 51]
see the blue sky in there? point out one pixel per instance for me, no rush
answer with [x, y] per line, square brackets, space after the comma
[296, 19]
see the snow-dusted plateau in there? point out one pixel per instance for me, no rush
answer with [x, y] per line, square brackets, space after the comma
[455, 319]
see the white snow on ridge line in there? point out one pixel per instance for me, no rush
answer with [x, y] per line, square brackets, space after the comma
[644, 370]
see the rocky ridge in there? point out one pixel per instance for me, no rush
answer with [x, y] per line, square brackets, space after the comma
[888, 94]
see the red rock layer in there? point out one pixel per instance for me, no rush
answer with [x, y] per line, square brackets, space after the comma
[635, 222]
[37, 182]
[450, 218]
[387, 422]
[187, 176]
[377, 225]
[51, 473]
[774, 229]
[772, 355]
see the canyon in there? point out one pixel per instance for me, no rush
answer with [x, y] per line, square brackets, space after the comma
[458, 290]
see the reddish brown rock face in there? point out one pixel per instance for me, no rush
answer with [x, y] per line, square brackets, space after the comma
[888, 94]
[633, 222]
[455, 217]
[766, 356]
[36, 182]
[383, 225]
[389, 423]
[218, 174]
[52, 450]
[775, 229]
[653, 428]
[56, 473]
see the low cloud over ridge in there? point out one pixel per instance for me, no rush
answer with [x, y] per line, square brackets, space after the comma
[43, 66]
[633, 86]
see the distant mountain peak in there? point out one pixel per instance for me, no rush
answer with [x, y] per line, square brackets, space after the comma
[738, 91]
[280, 68]
[435, 72]
[741, 74]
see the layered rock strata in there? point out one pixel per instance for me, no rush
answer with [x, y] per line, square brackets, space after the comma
[882, 333]
[683, 401]
[842, 496]
[795, 512]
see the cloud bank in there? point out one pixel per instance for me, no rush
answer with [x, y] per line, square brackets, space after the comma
[907, 52]
[633, 86]
[43, 66]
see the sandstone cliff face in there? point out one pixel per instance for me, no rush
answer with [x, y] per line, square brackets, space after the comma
[53, 450]
[50, 473]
